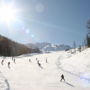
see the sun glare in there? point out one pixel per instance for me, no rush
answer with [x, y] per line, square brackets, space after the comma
[7, 13]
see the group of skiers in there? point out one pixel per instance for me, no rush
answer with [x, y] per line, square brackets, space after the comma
[38, 63]
[8, 63]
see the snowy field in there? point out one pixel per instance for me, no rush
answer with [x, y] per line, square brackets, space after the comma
[27, 75]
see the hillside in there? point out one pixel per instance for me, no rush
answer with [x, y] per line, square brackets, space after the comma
[12, 48]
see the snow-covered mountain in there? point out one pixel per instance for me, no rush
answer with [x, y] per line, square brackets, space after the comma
[46, 47]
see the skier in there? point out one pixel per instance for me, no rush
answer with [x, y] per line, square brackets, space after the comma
[12, 57]
[14, 60]
[62, 78]
[29, 60]
[36, 59]
[39, 64]
[46, 60]
[2, 62]
[8, 64]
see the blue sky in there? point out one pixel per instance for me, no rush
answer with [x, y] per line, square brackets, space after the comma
[55, 21]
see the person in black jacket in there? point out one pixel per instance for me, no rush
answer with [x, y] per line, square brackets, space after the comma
[39, 64]
[62, 78]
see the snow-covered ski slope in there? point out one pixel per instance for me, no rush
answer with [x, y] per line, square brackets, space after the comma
[25, 75]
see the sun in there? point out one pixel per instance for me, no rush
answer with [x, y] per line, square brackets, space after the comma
[7, 13]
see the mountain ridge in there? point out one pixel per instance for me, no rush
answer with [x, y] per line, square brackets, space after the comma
[44, 46]
[9, 47]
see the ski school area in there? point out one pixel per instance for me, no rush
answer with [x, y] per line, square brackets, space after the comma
[60, 70]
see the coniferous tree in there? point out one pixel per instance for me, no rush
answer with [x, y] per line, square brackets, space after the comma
[88, 33]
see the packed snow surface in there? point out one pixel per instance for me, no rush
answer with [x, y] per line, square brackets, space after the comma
[25, 73]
